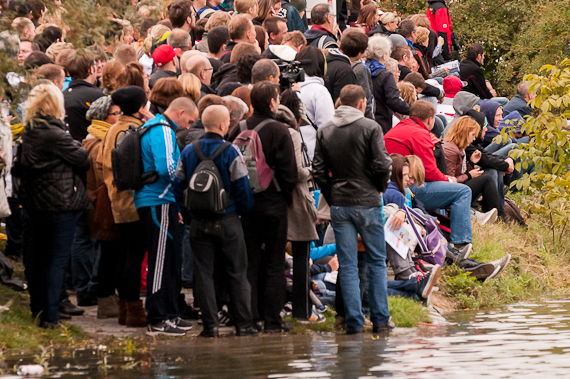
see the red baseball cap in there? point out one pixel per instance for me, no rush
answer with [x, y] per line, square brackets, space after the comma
[164, 54]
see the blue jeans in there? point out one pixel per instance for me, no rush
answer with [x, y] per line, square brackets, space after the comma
[500, 148]
[83, 257]
[51, 236]
[436, 195]
[348, 223]
[405, 288]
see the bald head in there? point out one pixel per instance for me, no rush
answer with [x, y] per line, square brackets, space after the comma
[200, 66]
[187, 55]
[182, 111]
[216, 119]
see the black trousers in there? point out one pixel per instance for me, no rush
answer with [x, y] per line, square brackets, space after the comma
[215, 241]
[301, 279]
[108, 270]
[266, 267]
[164, 261]
[485, 185]
[134, 245]
[15, 229]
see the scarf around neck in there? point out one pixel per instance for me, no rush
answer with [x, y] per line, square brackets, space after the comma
[98, 128]
[374, 66]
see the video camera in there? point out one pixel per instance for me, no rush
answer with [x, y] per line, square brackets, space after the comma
[291, 72]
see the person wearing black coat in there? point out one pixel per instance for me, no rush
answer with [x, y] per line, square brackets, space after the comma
[339, 72]
[470, 71]
[53, 195]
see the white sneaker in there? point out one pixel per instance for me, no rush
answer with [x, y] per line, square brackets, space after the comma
[500, 265]
[488, 217]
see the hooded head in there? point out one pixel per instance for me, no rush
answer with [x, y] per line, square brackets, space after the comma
[452, 85]
[481, 120]
[463, 102]
[489, 109]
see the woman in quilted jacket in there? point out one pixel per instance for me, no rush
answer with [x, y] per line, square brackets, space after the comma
[52, 194]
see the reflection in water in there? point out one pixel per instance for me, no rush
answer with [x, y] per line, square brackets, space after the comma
[518, 341]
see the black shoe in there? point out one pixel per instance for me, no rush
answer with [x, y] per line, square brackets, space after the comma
[86, 300]
[64, 316]
[383, 329]
[50, 325]
[224, 318]
[187, 284]
[180, 323]
[187, 312]
[480, 271]
[351, 331]
[427, 281]
[165, 328]
[284, 327]
[250, 331]
[210, 333]
[66, 306]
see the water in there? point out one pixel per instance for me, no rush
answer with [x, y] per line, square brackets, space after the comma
[518, 341]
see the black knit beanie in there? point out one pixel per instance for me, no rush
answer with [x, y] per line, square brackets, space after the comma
[130, 99]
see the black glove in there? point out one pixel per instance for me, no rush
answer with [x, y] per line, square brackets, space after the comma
[455, 42]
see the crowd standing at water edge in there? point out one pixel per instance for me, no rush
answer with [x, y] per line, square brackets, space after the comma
[273, 158]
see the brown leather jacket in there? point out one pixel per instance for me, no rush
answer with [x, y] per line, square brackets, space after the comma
[454, 160]
[122, 202]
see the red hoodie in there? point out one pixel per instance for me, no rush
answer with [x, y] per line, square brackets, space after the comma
[411, 137]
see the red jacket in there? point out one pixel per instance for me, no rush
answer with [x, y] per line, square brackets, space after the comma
[411, 137]
[438, 16]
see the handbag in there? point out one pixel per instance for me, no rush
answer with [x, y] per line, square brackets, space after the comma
[434, 246]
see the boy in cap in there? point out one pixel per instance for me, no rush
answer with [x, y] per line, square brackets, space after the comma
[164, 58]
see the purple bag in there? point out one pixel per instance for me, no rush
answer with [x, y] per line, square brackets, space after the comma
[434, 245]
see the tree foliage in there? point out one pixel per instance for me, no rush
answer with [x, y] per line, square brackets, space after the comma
[548, 186]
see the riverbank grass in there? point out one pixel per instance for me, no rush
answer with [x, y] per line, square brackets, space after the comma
[18, 330]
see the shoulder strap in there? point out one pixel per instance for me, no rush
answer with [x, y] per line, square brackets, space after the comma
[219, 150]
[321, 42]
[262, 124]
[169, 121]
[198, 151]
[421, 241]
[242, 126]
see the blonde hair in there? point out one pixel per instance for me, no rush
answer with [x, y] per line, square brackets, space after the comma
[56, 48]
[45, 99]
[459, 132]
[388, 17]
[417, 169]
[218, 19]
[421, 20]
[407, 92]
[191, 86]
[423, 35]
[242, 6]
[154, 34]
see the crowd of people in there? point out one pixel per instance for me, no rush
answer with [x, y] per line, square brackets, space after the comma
[239, 150]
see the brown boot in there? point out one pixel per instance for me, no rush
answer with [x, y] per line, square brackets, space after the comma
[108, 307]
[122, 312]
[136, 315]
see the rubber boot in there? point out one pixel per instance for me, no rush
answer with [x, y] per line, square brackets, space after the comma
[122, 312]
[108, 307]
[136, 315]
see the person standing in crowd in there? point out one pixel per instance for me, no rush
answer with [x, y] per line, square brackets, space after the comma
[155, 202]
[182, 15]
[52, 194]
[291, 14]
[352, 168]
[276, 29]
[386, 94]
[339, 71]
[322, 33]
[166, 62]
[266, 224]
[215, 237]
[440, 20]
[132, 101]
[241, 29]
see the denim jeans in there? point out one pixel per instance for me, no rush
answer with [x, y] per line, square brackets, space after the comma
[348, 223]
[51, 236]
[83, 256]
[436, 195]
[500, 148]
[405, 288]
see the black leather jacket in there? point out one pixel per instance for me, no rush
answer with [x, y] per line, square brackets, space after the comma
[351, 164]
[49, 165]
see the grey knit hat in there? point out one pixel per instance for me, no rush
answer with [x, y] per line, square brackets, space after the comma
[99, 109]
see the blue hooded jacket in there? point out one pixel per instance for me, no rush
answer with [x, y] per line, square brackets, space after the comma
[489, 109]
[513, 121]
[160, 153]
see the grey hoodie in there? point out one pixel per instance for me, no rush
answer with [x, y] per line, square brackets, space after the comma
[346, 115]
[462, 103]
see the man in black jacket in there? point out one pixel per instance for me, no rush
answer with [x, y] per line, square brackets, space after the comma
[81, 92]
[339, 70]
[352, 167]
[470, 71]
[266, 224]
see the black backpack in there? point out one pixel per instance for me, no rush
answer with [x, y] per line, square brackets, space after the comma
[126, 160]
[206, 195]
